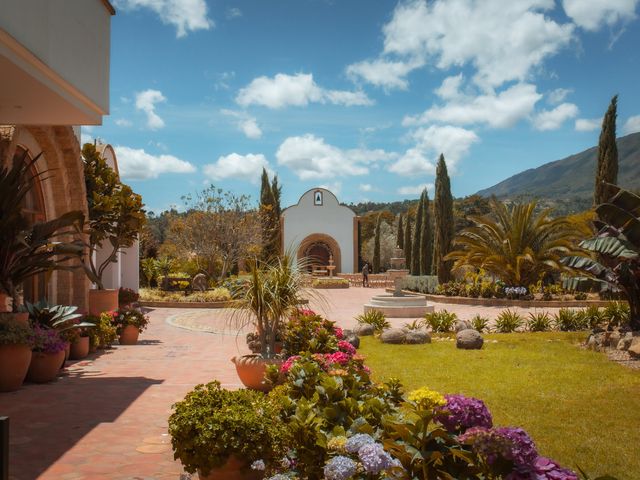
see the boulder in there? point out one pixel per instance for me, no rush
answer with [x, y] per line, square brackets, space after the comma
[200, 282]
[462, 325]
[414, 337]
[351, 337]
[614, 338]
[596, 341]
[634, 348]
[393, 335]
[363, 330]
[469, 339]
[625, 341]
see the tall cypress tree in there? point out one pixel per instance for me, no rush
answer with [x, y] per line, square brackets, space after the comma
[270, 220]
[443, 222]
[607, 168]
[407, 242]
[400, 236]
[276, 191]
[426, 250]
[376, 247]
[415, 254]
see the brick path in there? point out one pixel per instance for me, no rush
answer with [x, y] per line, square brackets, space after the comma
[106, 418]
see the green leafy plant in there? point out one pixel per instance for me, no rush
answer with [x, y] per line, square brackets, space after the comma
[566, 320]
[376, 319]
[133, 317]
[539, 322]
[442, 321]
[593, 316]
[330, 283]
[104, 333]
[580, 296]
[480, 323]
[306, 331]
[127, 296]
[212, 424]
[417, 324]
[13, 332]
[616, 313]
[508, 321]
[149, 269]
[58, 317]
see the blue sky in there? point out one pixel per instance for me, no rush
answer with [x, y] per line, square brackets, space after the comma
[361, 96]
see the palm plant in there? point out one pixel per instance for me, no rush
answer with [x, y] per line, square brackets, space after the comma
[515, 243]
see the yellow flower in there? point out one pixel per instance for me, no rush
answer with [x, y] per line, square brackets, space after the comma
[336, 444]
[427, 398]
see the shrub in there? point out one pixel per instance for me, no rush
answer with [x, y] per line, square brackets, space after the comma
[480, 323]
[616, 313]
[211, 424]
[487, 289]
[220, 294]
[46, 340]
[442, 321]
[132, 317]
[539, 322]
[330, 283]
[306, 331]
[422, 284]
[508, 321]
[580, 296]
[104, 333]
[414, 325]
[566, 320]
[13, 332]
[376, 319]
[592, 316]
[126, 296]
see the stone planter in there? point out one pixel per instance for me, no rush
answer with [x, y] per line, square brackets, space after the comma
[251, 370]
[102, 301]
[234, 469]
[14, 364]
[79, 348]
[44, 366]
[129, 335]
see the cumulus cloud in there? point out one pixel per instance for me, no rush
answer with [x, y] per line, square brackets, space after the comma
[242, 167]
[146, 102]
[414, 162]
[123, 122]
[365, 187]
[185, 15]
[632, 125]
[245, 123]
[384, 73]
[553, 119]
[588, 124]
[310, 157]
[415, 189]
[295, 90]
[136, 164]
[557, 96]
[593, 14]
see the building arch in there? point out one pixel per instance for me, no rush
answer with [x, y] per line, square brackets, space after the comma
[324, 242]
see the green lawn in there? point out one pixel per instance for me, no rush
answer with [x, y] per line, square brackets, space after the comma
[579, 407]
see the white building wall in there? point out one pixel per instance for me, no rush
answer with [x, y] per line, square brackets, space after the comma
[129, 271]
[330, 218]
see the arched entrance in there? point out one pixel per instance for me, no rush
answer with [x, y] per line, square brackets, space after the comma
[317, 248]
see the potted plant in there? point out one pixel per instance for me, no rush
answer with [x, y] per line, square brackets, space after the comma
[29, 249]
[104, 333]
[127, 297]
[129, 325]
[221, 433]
[270, 295]
[48, 354]
[15, 352]
[80, 344]
[116, 217]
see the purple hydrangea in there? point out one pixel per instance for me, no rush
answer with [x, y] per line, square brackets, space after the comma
[510, 443]
[523, 450]
[374, 458]
[461, 413]
[354, 443]
[340, 468]
[546, 469]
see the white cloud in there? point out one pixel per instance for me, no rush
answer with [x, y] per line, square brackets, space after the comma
[233, 13]
[335, 187]
[365, 187]
[553, 119]
[186, 15]
[450, 88]
[384, 73]
[588, 124]
[414, 162]
[245, 123]
[146, 102]
[136, 164]
[593, 14]
[558, 95]
[415, 189]
[123, 122]
[243, 167]
[500, 110]
[310, 157]
[294, 90]
[632, 125]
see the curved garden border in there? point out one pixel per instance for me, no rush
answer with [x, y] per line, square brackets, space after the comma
[223, 304]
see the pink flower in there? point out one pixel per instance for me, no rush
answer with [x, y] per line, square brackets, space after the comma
[338, 333]
[346, 347]
[338, 357]
[286, 366]
[306, 312]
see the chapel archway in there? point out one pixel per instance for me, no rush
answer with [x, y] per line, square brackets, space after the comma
[317, 248]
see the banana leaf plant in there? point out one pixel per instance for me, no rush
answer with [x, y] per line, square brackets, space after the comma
[613, 255]
[28, 249]
[57, 317]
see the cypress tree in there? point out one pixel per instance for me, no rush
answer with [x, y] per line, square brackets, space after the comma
[407, 242]
[376, 247]
[415, 254]
[276, 191]
[400, 236]
[426, 250]
[443, 222]
[269, 219]
[607, 168]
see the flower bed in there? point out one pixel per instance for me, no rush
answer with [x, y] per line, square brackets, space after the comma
[216, 298]
[330, 283]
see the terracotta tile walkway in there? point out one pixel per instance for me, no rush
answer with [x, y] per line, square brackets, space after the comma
[106, 418]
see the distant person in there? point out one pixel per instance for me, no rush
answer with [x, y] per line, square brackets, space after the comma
[365, 274]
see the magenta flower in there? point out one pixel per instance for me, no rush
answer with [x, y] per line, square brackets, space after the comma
[461, 413]
[346, 347]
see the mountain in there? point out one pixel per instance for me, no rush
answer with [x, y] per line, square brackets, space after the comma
[569, 182]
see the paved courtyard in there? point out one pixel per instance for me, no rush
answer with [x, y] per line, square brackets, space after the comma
[106, 418]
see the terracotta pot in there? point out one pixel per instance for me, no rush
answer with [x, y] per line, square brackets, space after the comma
[251, 370]
[14, 363]
[21, 317]
[67, 353]
[129, 335]
[4, 302]
[234, 469]
[79, 348]
[102, 301]
[44, 366]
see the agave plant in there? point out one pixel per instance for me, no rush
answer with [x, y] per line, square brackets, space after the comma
[615, 250]
[57, 317]
[27, 250]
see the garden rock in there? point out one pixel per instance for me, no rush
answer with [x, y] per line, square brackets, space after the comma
[625, 342]
[415, 337]
[596, 341]
[469, 339]
[199, 282]
[363, 330]
[634, 348]
[614, 338]
[352, 338]
[393, 335]
[462, 325]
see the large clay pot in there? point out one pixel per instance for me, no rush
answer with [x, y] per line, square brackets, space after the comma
[102, 301]
[79, 348]
[21, 317]
[251, 370]
[129, 335]
[14, 363]
[44, 366]
[234, 469]
[5, 306]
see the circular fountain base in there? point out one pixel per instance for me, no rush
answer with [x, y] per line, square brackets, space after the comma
[404, 306]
